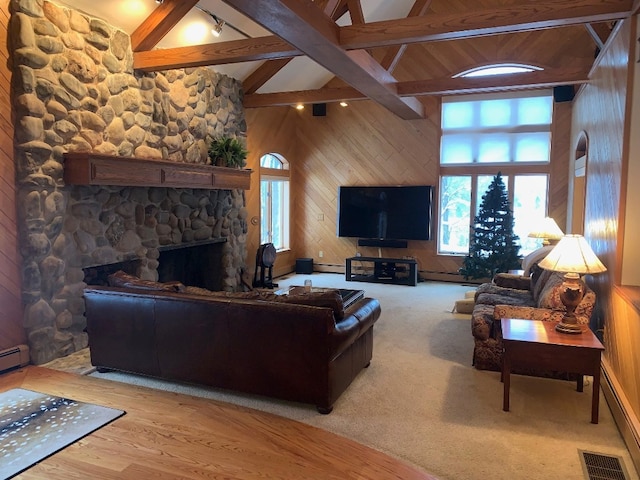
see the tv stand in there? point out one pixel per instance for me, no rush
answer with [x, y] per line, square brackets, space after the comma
[398, 271]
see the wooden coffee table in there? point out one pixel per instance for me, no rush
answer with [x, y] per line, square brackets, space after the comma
[537, 345]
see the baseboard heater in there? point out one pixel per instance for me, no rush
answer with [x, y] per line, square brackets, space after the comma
[14, 357]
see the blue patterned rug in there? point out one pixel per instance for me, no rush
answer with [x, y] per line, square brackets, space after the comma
[35, 425]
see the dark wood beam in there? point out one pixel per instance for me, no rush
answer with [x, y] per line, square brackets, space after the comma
[407, 30]
[636, 7]
[440, 86]
[322, 95]
[505, 19]
[268, 69]
[303, 25]
[394, 54]
[159, 23]
[234, 51]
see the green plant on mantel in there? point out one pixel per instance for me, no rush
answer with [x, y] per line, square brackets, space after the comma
[227, 151]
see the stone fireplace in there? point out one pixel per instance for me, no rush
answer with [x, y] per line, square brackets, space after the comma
[74, 90]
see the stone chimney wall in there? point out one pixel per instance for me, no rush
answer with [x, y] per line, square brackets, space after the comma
[74, 89]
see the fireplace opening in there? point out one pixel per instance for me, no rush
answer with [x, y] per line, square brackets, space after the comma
[98, 274]
[196, 264]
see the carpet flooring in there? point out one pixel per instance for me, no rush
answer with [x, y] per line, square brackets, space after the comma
[423, 402]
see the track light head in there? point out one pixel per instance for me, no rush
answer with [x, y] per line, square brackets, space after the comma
[217, 28]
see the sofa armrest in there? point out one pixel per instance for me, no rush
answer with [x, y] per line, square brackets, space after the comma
[358, 318]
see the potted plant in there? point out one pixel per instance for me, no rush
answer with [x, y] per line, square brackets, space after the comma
[227, 151]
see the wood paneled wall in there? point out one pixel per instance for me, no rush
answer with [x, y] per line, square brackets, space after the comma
[600, 111]
[364, 144]
[11, 331]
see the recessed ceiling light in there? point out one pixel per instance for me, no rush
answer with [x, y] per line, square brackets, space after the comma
[344, 104]
[299, 106]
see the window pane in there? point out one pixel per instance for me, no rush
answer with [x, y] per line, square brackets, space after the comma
[276, 214]
[482, 185]
[456, 149]
[535, 110]
[457, 115]
[529, 208]
[455, 205]
[270, 161]
[494, 113]
[533, 147]
[494, 148]
[265, 217]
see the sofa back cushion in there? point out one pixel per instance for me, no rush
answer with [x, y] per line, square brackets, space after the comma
[539, 279]
[328, 299]
[549, 296]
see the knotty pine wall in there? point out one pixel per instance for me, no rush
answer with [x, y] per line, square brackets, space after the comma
[11, 331]
[364, 144]
[601, 112]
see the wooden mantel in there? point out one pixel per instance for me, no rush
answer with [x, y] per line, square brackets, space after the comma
[87, 168]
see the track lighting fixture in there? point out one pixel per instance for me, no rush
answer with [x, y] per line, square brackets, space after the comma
[217, 28]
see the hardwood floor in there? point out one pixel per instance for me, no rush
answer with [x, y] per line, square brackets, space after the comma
[171, 436]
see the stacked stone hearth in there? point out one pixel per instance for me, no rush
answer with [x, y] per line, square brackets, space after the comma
[74, 89]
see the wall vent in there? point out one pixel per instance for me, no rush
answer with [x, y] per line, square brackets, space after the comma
[597, 466]
[14, 357]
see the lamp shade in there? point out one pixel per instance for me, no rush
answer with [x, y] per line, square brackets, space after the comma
[574, 255]
[548, 229]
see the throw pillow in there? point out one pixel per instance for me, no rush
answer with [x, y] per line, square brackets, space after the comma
[328, 299]
[510, 280]
[125, 280]
[550, 294]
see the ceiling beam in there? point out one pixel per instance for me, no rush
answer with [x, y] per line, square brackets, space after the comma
[533, 15]
[599, 32]
[220, 53]
[394, 54]
[304, 26]
[268, 69]
[439, 86]
[159, 23]
[394, 32]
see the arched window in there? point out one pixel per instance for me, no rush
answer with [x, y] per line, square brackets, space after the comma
[274, 200]
[498, 69]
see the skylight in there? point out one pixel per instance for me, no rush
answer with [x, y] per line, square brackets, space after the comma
[504, 69]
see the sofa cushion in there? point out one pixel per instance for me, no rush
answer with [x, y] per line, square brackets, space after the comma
[215, 293]
[539, 279]
[550, 294]
[125, 280]
[509, 280]
[328, 299]
[523, 299]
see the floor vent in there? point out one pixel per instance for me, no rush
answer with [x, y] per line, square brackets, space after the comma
[597, 466]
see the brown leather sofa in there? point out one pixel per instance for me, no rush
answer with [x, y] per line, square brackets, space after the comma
[291, 351]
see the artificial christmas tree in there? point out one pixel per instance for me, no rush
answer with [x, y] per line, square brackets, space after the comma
[493, 247]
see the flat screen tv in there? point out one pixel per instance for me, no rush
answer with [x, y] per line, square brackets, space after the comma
[385, 212]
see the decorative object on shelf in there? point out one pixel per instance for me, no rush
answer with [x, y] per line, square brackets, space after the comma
[227, 151]
[574, 256]
[548, 230]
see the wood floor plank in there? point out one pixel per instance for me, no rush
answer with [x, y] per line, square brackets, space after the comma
[168, 435]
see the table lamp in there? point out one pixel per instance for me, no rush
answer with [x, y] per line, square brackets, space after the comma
[574, 256]
[548, 230]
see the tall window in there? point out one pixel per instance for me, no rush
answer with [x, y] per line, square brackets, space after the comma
[484, 134]
[274, 201]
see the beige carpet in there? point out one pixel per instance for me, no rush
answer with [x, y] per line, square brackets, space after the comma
[422, 401]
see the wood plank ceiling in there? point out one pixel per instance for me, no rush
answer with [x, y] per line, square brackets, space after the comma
[367, 57]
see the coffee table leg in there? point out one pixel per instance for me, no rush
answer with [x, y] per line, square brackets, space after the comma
[580, 385]
[506, 379]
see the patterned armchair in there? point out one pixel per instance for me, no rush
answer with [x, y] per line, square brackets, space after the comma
[510, 296]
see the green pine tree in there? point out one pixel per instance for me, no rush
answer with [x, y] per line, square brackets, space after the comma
[493, 247]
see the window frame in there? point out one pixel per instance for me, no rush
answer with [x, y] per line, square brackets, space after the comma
[269, 176]
[508, 170]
